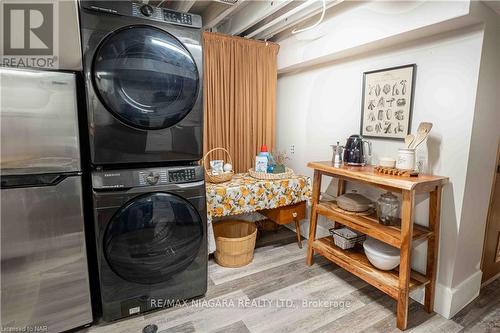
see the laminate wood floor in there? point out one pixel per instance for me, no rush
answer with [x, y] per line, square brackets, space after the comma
[277, 292]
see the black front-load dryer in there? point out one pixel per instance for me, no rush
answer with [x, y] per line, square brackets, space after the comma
[151, 236]
[143, 77]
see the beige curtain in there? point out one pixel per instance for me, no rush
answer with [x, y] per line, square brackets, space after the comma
[240, 96]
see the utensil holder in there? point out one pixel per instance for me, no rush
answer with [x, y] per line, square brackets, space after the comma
[406, 159]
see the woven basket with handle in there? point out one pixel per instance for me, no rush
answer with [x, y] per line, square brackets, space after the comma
[222, 177]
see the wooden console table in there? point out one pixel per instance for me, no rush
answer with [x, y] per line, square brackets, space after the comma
[395, 283]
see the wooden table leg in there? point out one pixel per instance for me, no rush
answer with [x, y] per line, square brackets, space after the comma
[297, 229]
[340, 187]
[432, 247]
[405, 263]
[340, 191]
[314, 216]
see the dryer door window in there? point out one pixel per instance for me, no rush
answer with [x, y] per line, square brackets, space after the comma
[153, 237]
[145, 77]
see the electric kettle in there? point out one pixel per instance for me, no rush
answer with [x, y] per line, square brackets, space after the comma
[354, 151]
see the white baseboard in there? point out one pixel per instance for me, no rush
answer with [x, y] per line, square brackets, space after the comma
[449, 301]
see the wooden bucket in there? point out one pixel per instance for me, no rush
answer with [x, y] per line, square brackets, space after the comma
[235, 241]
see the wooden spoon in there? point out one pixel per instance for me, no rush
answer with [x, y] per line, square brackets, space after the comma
[409, 140]
[422, 133]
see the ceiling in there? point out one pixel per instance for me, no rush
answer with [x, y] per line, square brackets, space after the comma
[262, 19]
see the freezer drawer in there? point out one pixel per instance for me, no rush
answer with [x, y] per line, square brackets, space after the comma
[44, 276]
[39, 127]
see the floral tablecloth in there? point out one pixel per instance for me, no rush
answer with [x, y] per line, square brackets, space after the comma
[244, 194]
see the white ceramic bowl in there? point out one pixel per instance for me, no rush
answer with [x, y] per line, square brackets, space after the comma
[387, 162]
[381, 255]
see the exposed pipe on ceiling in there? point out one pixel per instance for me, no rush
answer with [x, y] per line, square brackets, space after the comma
[279, 19]
[296, 31]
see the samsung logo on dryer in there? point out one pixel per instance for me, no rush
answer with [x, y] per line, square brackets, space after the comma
[112, 175]
[113, 186]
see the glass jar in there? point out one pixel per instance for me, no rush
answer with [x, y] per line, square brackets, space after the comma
[388, 209]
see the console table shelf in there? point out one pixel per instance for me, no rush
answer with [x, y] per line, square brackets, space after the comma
[369, 225]
[396, 283]
[355, 261]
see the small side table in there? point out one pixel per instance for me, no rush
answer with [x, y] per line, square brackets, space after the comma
[244, 194]
[288, 214]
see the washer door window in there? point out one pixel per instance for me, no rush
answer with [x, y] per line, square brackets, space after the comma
[145, 77]
[153, 237]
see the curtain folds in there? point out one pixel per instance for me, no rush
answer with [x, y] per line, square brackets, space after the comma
[240, 96]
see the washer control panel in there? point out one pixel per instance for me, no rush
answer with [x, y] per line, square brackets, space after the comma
[153, 177]
[181, 175]
[128, 178]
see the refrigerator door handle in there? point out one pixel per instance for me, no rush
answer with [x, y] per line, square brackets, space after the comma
[22, 181]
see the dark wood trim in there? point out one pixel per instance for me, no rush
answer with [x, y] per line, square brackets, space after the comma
[489, 220]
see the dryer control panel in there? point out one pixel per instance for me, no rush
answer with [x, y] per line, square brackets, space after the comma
[162, 14]
[145, 11]
[177, 17]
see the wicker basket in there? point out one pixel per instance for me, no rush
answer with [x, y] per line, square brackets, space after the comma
[235, 241]
[220, 178]
[271, 176]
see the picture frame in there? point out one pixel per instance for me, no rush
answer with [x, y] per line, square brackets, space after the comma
[387, 102]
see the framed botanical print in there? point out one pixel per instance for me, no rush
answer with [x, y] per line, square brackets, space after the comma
[388, 102]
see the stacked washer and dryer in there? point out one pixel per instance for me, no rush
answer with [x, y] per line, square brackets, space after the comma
[143, 79]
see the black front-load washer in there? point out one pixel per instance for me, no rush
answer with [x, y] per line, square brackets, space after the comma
[143, 77]
[151, 236]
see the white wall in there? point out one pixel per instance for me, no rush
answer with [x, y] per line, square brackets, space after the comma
[354, 26]
[321, 105]
[482, 155]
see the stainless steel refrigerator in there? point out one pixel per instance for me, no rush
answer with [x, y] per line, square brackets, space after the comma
[44, 274]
